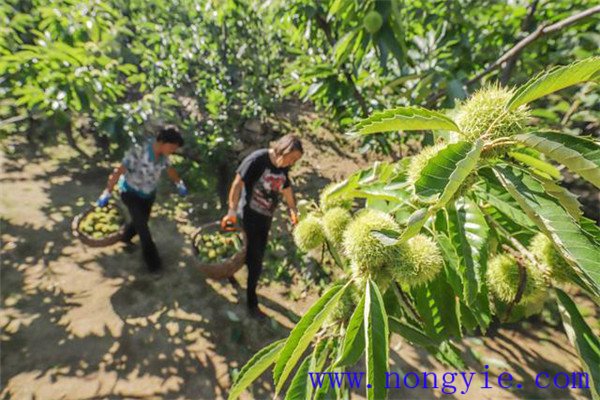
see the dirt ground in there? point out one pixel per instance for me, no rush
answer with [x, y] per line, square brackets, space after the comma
[85, 323]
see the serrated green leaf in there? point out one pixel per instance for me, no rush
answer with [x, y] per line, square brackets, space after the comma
[410, 333]
[477, 235]
[469, 234]
[342, 48]
[583, 338]
[437, 307]
[567, 199]
[446, 171]
[415, 222]
[376, 342]
[298, 389]
[318, 359]
[395, 193]
[555, 79]
[547, 213]
[303, 333]
[387, 237]
[449, 354]
[354, 340]
[458, 237]
[452, 261]
[536, 163]
[580, 155]
[255, 367]
[496, 196]
[404, 119]
[342, 189]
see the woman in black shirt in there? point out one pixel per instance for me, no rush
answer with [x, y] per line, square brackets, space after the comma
[260, 180]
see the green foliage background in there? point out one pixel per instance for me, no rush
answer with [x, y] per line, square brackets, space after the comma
[113, 70]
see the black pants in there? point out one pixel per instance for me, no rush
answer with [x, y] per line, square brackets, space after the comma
[256, 226]
[139, 210]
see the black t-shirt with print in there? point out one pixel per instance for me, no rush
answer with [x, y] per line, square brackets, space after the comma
[263, 182]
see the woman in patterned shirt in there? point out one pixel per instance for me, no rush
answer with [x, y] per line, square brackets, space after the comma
[140, 171]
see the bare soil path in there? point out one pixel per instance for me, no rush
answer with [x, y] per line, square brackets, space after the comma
[84, 323]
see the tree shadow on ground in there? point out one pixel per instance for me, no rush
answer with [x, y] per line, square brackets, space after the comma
[81, 315]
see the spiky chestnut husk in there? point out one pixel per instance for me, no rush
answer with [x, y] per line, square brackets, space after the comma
[498, 151]
[544, 251]
[419, 262]
[485, 112]
[503, 278]
[327, 202]
[362, 248]
[347, 304]
[308, 234]
[381, 276]
[335, 221]
[522, 310]
[419, 161]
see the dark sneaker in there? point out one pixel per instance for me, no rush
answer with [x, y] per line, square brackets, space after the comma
[129, 247]
[257, 314]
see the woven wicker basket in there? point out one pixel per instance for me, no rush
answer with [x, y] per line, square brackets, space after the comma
[91, 241]
[224, 269]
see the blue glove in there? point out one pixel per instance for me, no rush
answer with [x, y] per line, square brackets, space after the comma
[181, 189]
[103, 199]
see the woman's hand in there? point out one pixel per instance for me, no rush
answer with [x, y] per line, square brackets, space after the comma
[103, 199]
[228, 221]
[294, 217]
[181, 188]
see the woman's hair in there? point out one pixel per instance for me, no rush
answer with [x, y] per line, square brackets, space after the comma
[170, 134]
[287, 144]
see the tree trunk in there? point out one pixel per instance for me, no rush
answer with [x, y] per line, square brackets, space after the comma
[71, 140]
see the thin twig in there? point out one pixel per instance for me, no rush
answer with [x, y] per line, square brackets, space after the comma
[526, 26]
[542, 30]
[12, 120]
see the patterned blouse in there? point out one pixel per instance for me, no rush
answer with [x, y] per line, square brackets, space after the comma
[142, 170]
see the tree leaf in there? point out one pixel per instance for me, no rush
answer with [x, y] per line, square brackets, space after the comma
[436, 304]
[449, 354]
[536, 164]
[446, 171]
[342, 189]
[317, 364]
[405, 119]
[387, 237]
[583, 338]
[299, 386]
[354, 340]
[580, 155]
[468, 233]
[567, 199]
[303, 333]
[546, 212]
[255, 367]
[342, 48]
[555, 79]
[376, 342]
[466, 266]
[496, 196]
[391, 193]
[410, 333]
[415, 222]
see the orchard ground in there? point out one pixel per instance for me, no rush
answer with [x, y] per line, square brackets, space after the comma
[85, 323]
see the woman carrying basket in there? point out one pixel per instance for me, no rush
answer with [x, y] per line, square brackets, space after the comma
[140, 170]
[260, 180]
